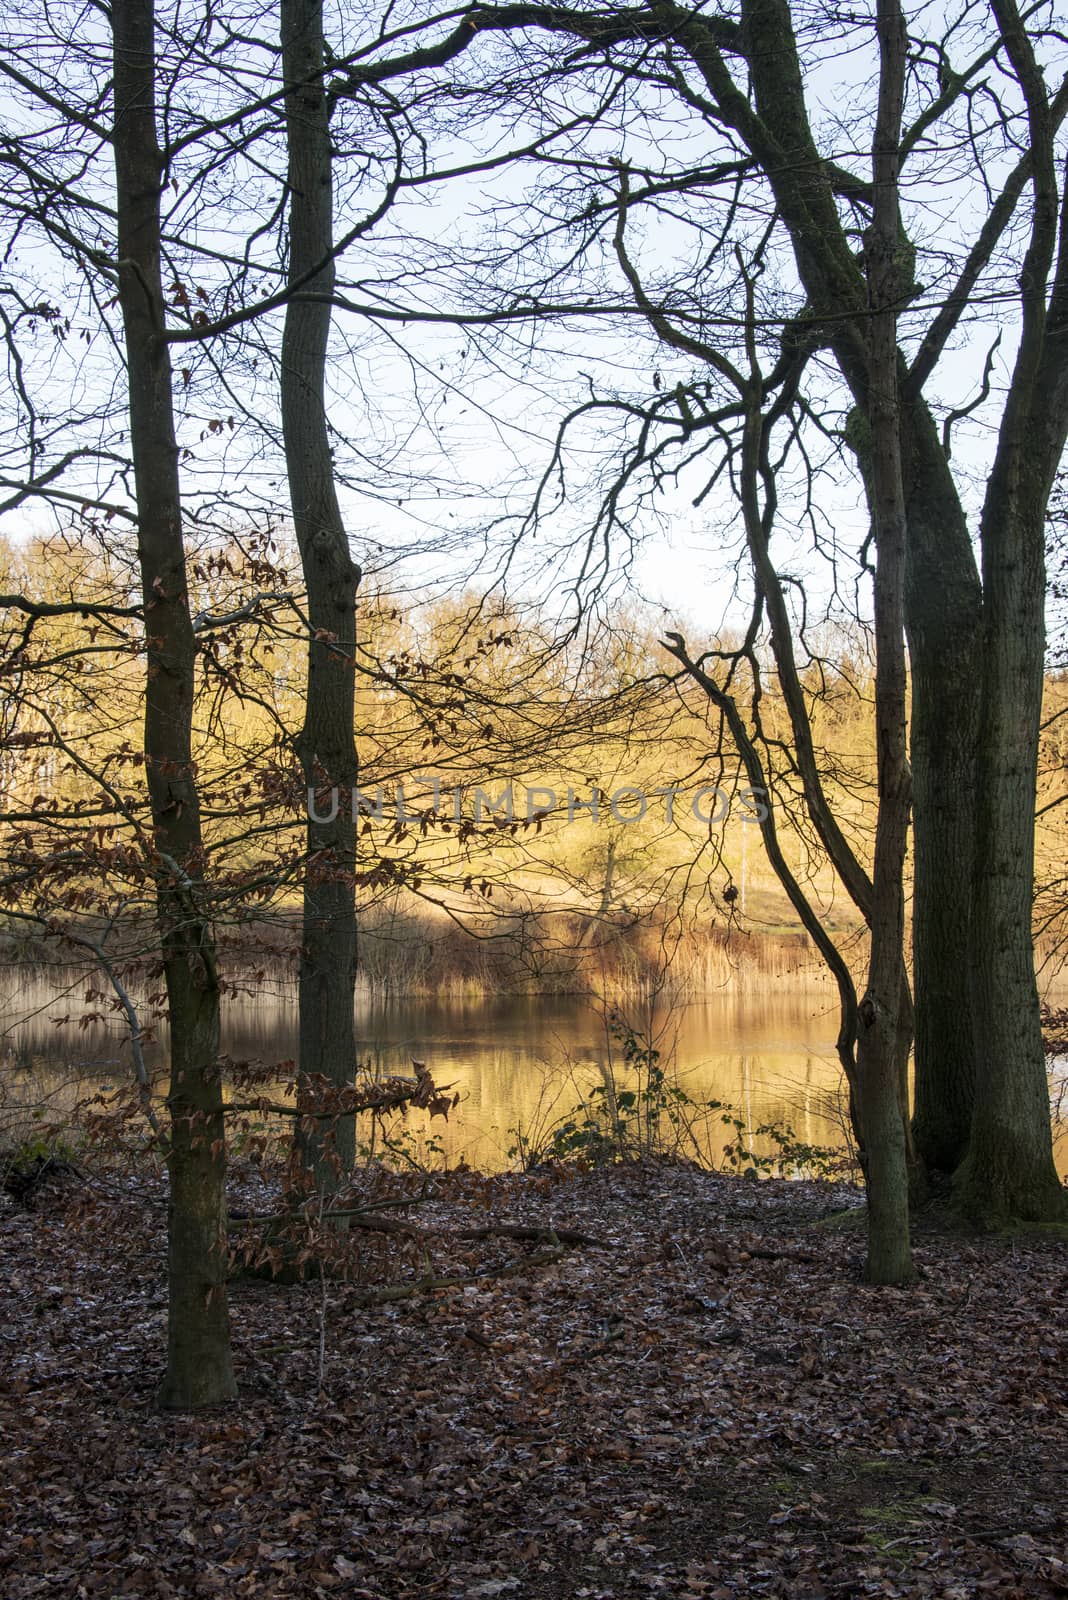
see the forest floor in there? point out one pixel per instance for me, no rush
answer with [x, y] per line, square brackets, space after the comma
[708, 1402]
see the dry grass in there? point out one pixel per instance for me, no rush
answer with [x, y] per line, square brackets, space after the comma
[417, 952]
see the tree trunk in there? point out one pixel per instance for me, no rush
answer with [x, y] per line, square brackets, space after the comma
[326, 746]
[942, 595]
[1008, 1172]
[880, 1012]
[943, 618]
[199, 1369]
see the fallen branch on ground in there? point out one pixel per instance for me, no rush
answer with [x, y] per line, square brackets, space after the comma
[430, 1284]
[513, 1230]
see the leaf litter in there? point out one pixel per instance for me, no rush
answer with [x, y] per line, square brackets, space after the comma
[697, 1398]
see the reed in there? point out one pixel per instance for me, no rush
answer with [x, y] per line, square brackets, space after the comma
[415, 952]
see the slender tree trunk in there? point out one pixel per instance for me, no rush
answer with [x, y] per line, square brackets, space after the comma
[880, 1011]
[199, 1370]
[327, 742]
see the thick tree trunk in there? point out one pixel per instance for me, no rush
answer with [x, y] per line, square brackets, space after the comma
[199, 1370]
[943, 618]
[1008, 1172]
[327, 742]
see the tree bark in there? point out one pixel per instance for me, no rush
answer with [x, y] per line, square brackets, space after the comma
[880, 1011]
[1008, 1172]
[942, 591]
[326, 746]
[943, 620]
[199, 1368]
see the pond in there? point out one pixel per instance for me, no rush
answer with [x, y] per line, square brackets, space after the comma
[520, 1064]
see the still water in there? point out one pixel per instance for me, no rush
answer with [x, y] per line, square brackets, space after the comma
[518, 1063]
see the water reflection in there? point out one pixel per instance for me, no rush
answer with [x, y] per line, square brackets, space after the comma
[517, 1062]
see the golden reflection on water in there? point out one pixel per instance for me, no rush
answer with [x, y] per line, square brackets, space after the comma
[518, 1063]
[523, 1065]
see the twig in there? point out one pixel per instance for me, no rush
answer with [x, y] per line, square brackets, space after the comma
[144, 1082]
[759, 1254]
[431, 1285]
[322, 1327]
[360, 1216]
[511, 1230]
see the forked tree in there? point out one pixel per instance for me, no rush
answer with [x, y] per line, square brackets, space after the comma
[748, 82]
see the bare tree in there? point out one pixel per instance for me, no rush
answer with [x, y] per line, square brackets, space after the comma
[975, 640]
[879, 1053]
[326, 744]
[199, 1367]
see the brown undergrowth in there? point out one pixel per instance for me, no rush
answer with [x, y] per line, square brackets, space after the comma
[408, 949]
[690, 1394]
